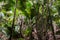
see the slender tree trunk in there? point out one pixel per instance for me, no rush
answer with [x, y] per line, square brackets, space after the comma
[21, 36]
[13, 21]
[49, 20]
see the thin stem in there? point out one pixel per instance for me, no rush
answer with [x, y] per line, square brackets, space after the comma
[13, 20]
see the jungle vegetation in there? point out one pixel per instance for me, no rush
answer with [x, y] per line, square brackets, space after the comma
[29, 19]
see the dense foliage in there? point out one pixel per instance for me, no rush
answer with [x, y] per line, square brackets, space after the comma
[20, 19]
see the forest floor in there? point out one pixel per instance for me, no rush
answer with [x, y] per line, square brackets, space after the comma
[3, 37]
